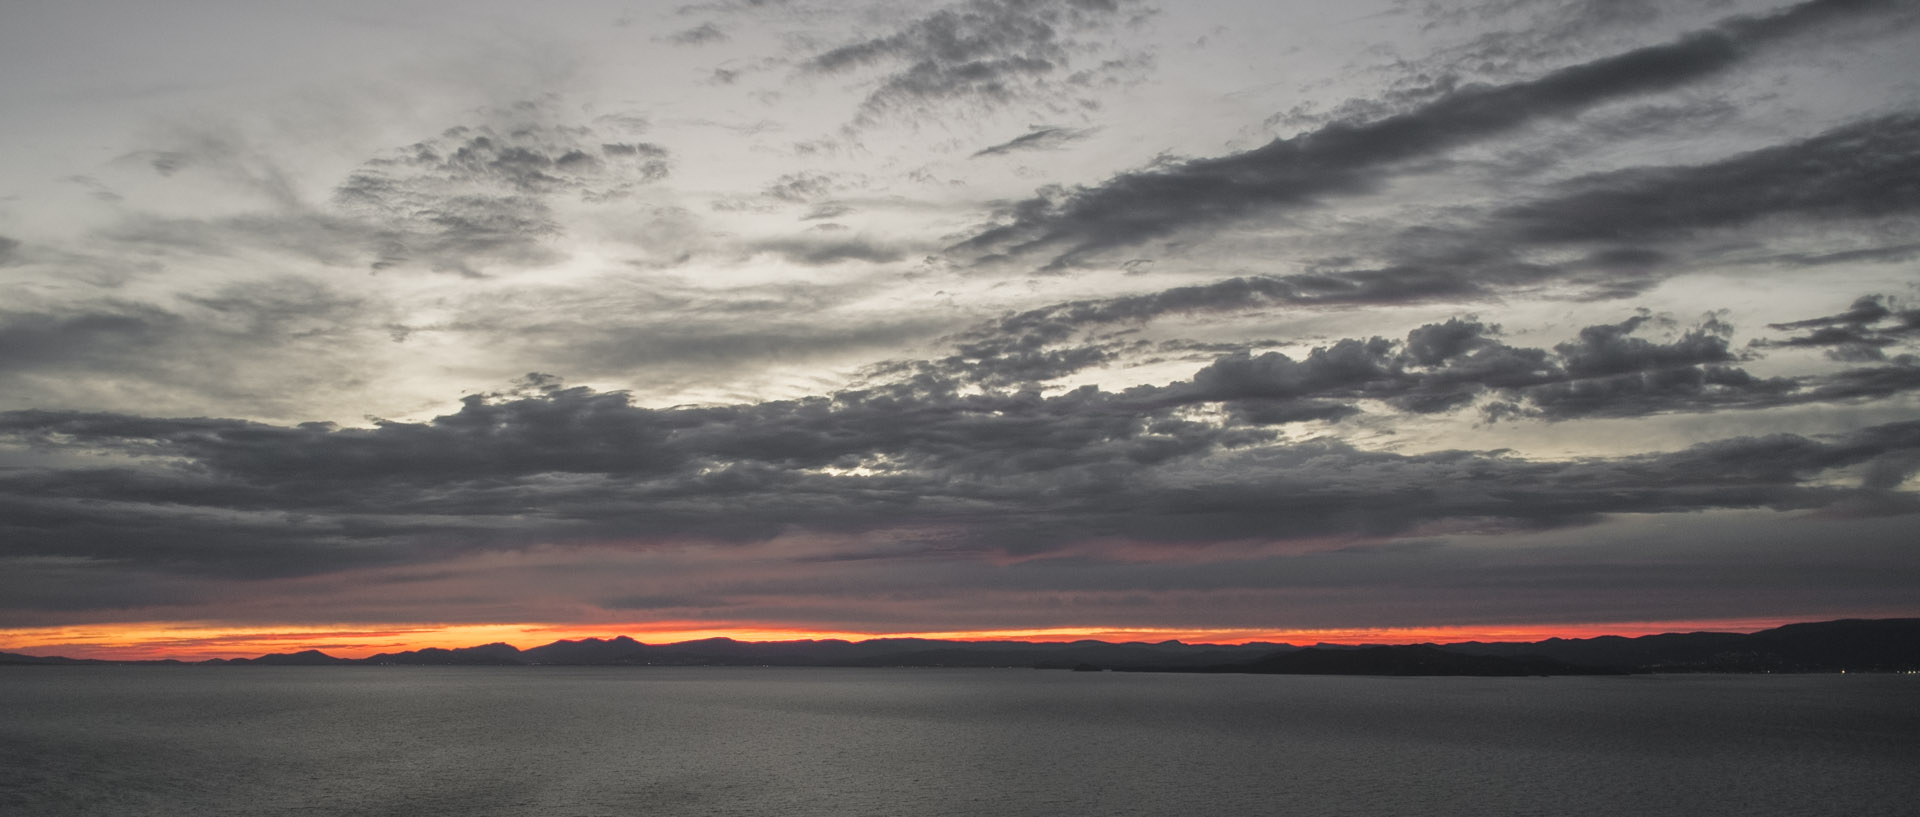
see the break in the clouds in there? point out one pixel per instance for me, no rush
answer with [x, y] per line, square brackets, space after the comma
[981, 315]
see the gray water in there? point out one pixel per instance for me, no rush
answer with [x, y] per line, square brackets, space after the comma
[739, 741]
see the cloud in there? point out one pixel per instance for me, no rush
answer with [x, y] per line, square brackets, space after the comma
[1047, 138]
[1608, 370]
[1349, 157]
[822, 252]
[1019, 474]
[987, 53]
[1507, 38]
[1631, 224]
[698, 35]
[1006, 469]
[827, 210]
[1885, 254]
[252, 346]
[1851, 171]
[469, 199]
[476, 195]
[1861, 333]
[42, 340]
[1640, 225]
[1443, 367]
[800, 187]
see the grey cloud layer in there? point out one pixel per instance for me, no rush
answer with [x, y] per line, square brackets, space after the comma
[474, 194]
[472, 198]
[1607, 371]
[983, 52]
[1863, 332]
[1623, 220]
[1859, 170]
[220, 344]
[1347, 157]
[1000, 471]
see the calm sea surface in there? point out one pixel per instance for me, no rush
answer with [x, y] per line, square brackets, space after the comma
[738, 741]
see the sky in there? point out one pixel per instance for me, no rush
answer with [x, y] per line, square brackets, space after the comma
[368, 325]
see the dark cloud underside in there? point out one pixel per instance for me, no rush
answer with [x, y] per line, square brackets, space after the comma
[1005, 470]
[1347, 157]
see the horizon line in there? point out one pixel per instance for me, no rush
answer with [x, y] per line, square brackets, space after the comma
[201, 641]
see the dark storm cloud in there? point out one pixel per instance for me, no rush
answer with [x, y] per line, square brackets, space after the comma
[1347, 157]
[1049, 138]
[1609, 370]
[1856, 170]
[1635, 224]
[1030, 335]
[1654, 391]
[1866, 383]
[1015, 474]
[1609, 373]
[1509, 38]
[1612, 349]
[1863, 332]
[1860, 170]
[1443, 367]
[983, 52]
[996, 470]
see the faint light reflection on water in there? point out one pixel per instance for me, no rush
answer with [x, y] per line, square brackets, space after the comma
[583, 742]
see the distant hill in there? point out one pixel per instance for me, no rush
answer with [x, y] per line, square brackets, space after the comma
[304, 658]
[484, 655]
[12, 658]
[16, 658]
[1855, 645]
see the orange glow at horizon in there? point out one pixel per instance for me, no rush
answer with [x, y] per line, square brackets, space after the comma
[195, 641]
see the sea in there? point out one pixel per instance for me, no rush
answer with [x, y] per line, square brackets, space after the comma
[593, 741]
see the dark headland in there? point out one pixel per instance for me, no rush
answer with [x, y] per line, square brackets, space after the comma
[1851, 645]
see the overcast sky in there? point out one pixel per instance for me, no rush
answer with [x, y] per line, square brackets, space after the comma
[934, 317]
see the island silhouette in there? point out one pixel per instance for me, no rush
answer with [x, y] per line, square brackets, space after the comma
[1847, 645]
